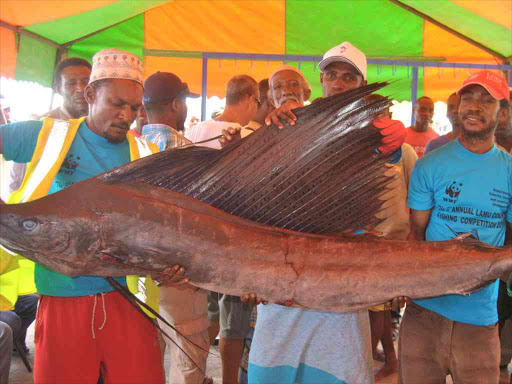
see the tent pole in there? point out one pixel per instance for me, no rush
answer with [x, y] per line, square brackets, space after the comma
[414, 91]
[204, 84]
[22, 31]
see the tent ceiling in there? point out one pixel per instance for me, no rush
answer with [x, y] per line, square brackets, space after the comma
[380, 28]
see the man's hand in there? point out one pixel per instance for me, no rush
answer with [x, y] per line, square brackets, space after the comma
[251, 299]
[397, 303]
[230, 136]
[393, 132]
[172, 277]
[283, 113]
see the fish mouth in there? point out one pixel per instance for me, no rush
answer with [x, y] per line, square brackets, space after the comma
[10, 238]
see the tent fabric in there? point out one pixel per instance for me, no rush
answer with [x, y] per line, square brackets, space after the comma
[36, 60]
[170, 36]
[129, 35]
[8, 54]
[73, 27]
[28, 12]
[480, 29]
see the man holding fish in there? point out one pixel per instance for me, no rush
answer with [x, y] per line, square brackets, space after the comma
[82, 325]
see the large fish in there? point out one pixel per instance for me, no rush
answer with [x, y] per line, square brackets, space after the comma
[113, 230]
[250, 218]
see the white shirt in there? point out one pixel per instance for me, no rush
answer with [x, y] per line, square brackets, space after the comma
[209, 129]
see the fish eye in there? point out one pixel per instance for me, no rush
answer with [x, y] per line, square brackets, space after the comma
[30, 225]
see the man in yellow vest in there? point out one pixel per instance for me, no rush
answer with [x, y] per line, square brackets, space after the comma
[82, 326]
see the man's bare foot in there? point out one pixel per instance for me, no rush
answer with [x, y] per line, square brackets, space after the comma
[387, 369]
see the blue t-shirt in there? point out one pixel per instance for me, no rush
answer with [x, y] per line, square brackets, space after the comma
[467, 193]
[89, 155]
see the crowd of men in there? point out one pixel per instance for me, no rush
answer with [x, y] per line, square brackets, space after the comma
[86, 332]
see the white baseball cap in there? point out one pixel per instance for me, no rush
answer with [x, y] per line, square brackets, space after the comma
[346, 53]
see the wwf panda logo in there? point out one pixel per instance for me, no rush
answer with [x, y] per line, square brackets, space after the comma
[453, 190]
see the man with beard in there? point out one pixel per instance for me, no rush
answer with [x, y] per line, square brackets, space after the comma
[419, 134]
[286, 83]
[165, 100]
[71, 77]
[294, 345]
[452, 115]
[457, 335]
[81, 323]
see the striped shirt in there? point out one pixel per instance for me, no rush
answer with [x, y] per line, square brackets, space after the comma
[163, 136]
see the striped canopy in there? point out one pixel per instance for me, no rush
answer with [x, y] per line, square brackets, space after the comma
[172, 35]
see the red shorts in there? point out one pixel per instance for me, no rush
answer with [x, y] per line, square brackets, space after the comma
[75, 337]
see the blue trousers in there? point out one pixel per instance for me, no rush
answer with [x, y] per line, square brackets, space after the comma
[21, 317]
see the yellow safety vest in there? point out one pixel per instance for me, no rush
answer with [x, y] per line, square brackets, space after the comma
[53, 144]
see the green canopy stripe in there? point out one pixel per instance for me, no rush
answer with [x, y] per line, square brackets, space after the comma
[340, 21]
[492, 35]
[380, 27]
[128, 36]
[94, 20]
[36, 61]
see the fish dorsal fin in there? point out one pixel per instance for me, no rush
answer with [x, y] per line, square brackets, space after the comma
[322, 175]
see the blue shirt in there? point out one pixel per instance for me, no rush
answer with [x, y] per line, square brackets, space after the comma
[467, 193]
[89, 155]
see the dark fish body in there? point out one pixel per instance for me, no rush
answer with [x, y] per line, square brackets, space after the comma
[139, 228]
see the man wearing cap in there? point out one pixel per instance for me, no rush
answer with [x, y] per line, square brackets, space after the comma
[285, 83]
[184, 307]
[293, 345]
[419, 134]
[82, 326]
[165, 98]
[457, 335]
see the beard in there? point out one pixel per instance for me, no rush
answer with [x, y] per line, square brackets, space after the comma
[482, 135]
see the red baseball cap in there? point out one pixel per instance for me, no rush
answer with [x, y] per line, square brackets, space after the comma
[494, 83]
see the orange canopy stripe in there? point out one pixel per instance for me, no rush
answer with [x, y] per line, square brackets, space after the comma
[40, 11]
[8, 54]
[249, 26]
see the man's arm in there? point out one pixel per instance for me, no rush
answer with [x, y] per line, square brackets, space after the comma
[508, 234]
[419, 221]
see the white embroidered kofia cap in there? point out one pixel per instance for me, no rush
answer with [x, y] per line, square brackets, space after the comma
[116, 64]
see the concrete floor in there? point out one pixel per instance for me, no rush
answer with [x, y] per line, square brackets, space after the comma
[19, 374]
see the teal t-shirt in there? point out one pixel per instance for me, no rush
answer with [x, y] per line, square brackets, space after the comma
[468, 193]
[89, 155]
